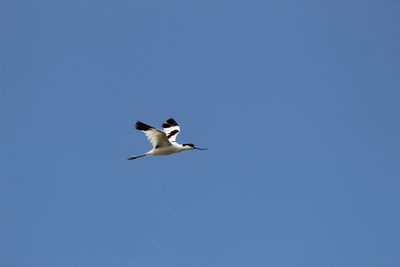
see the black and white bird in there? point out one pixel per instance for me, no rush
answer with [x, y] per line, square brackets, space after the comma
[164, 142]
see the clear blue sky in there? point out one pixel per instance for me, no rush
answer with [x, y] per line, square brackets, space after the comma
[299, 102]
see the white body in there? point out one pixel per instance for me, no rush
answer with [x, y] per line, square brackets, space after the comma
[163, 141]
[167, 150]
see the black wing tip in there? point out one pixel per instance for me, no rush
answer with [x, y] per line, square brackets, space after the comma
[170, 122]
[142, 126]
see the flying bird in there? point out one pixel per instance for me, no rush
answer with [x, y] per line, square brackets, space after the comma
[164, 142]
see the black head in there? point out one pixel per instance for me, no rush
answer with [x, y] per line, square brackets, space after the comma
[191, 145]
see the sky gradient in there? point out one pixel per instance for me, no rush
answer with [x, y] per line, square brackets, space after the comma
[297, 100]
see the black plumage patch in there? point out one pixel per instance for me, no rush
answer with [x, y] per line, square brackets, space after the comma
[142, 126]
[174, 132]
[191, 145]
[170, 123]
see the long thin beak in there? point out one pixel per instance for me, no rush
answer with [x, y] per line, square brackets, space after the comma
[201, 148]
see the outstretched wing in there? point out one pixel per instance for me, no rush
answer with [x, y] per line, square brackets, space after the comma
[171, 129]
[156, 137]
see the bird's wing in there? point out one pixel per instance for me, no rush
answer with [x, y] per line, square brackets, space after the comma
[156, 137]
[171, 129]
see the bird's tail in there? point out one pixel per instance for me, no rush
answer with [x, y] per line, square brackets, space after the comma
[136, 157]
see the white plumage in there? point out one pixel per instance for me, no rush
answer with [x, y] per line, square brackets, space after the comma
[164, 142]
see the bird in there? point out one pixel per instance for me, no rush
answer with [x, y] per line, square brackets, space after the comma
[163, 141]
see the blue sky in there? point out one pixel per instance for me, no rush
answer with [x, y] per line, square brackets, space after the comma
[297, 100]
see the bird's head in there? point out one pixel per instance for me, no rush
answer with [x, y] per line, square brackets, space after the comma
[191, 147]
